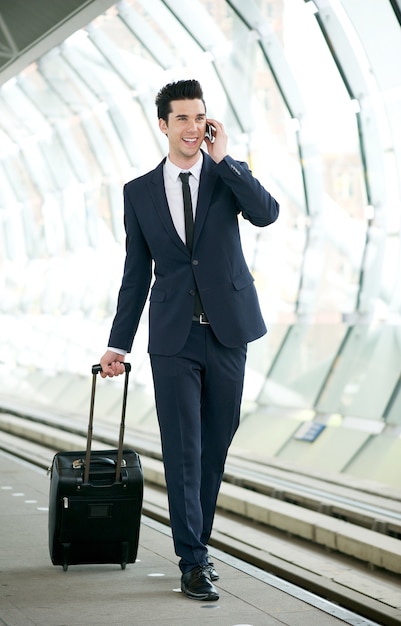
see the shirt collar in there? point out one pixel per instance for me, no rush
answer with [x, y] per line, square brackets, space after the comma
[173, 171]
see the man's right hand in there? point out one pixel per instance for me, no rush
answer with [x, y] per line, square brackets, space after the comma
[112, 364]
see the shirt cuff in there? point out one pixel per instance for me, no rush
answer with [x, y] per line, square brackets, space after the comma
[117, 350]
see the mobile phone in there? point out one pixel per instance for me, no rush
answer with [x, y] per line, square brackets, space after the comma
[209, 133]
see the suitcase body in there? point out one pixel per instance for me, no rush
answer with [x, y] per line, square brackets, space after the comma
[95, 508]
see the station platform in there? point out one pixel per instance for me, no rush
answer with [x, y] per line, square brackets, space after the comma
[33, 592]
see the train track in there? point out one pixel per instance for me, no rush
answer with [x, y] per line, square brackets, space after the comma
[298, 527]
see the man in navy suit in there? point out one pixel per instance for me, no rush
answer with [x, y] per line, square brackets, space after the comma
[203, 311]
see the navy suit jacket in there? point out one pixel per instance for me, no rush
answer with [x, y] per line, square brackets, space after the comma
[216, 267]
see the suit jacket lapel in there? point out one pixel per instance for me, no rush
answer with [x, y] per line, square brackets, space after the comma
[208, 179]
[159, 199]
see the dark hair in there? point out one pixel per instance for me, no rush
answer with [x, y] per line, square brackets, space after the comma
[181, 90]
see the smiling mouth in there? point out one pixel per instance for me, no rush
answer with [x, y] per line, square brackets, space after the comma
[190, 141]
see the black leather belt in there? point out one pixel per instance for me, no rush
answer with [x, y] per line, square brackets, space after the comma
[202, 319]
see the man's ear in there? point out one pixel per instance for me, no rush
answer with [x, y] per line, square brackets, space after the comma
[163, 126]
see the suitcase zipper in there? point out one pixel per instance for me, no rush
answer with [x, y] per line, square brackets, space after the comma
[80, 463]
[65, 503]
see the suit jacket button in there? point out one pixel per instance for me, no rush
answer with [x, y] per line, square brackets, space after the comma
[192, 292]
[195, 262]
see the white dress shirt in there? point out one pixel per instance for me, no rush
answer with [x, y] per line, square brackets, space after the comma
[173, 187]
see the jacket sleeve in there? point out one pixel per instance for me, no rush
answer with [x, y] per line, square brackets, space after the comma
[135, 282]
[254, 202]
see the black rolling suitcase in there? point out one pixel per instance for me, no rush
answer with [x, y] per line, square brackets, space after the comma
[95, 500]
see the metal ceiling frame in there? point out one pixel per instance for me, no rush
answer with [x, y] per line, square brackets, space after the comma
[18, 59]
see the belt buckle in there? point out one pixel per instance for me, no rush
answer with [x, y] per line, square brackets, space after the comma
[202, 319]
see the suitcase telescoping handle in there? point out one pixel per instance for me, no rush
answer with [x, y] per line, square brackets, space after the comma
[96, 369]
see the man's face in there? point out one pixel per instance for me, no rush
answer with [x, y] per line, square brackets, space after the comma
[185, 129]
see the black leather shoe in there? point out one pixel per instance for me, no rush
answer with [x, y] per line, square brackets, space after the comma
[197, 584]
[212, 572]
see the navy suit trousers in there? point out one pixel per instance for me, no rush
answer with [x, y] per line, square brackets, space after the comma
[198, 396]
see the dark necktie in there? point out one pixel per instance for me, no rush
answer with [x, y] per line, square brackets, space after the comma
[189, 218]
[189, 227]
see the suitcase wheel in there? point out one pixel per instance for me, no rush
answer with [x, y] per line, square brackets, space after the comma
[124, 554]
